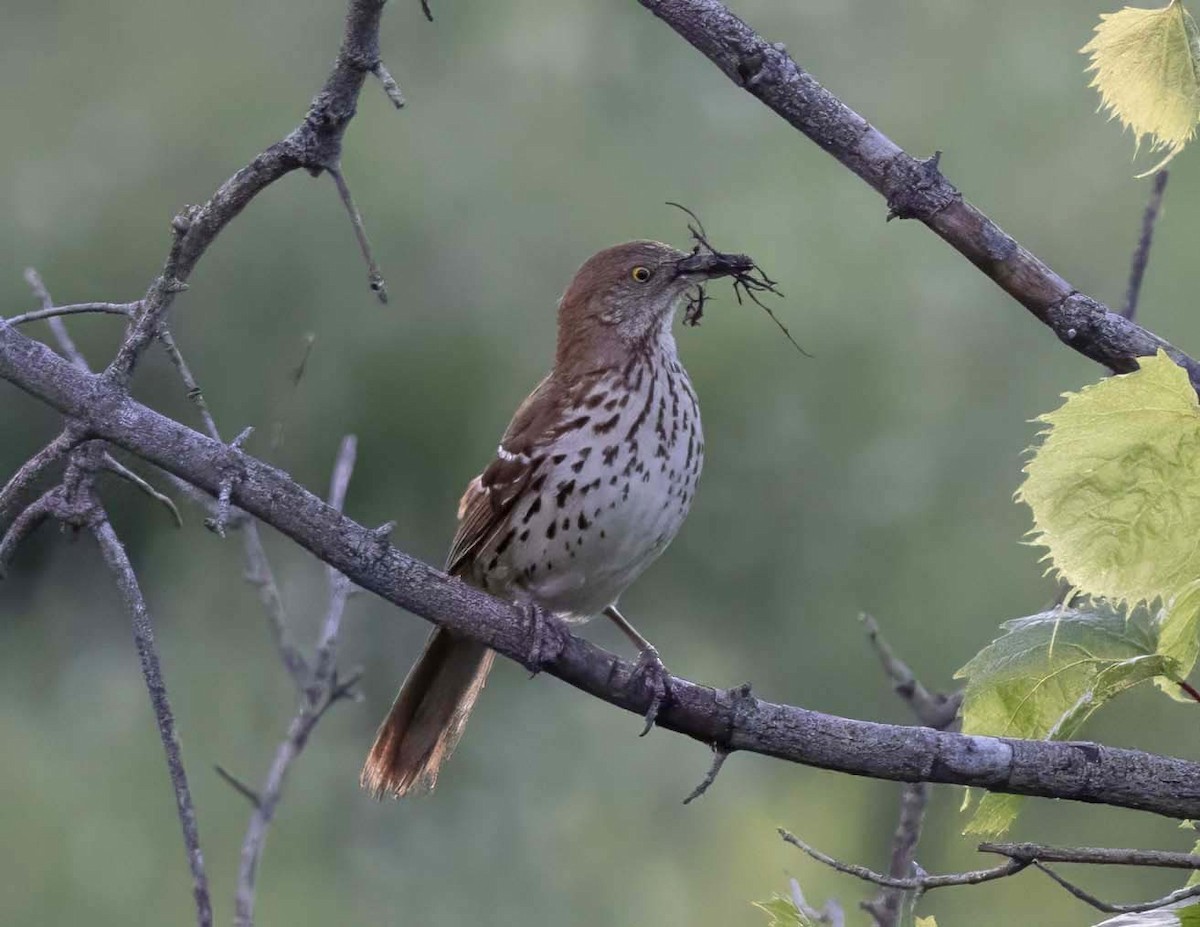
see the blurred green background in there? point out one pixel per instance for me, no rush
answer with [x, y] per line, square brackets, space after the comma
[877, 476]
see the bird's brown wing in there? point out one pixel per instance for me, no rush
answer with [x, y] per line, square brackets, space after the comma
[491, 496]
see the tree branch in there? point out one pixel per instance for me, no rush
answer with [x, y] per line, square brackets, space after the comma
[914, 189]
[1179, 894]
[1017, 862]
[911, 883]
[314, 145]
[1078, 771]
[50, 312]
[1141, 254]
[35, 466]
[935, 710]
[322, 691]
[1104, 856]
[143, 635]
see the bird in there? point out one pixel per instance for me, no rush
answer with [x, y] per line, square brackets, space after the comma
[589, 484]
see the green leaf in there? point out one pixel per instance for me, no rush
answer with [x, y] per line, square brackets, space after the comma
[1179, 639]
[1047, 674]
[1115, 485]
[782, 912]
[1050, 671]
[1145, 65]
[994, 815]
[925, 922]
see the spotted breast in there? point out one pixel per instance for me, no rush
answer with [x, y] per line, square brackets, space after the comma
[600, 493]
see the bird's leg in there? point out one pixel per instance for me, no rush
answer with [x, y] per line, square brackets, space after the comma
[547, 636]
[650, 666]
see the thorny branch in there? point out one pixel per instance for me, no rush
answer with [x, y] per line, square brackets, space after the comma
[1079, 771]
[316, 146]
[913, 188]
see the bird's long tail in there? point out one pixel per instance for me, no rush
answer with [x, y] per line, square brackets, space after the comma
[428, 716]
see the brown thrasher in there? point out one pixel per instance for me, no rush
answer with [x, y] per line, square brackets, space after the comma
[590, 483]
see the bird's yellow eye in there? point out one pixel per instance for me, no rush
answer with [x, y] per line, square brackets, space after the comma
[642, 274]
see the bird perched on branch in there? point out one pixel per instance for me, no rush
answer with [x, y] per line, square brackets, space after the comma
[591, 481]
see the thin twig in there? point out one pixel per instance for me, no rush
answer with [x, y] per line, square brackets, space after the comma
[426, 10]
[323, 691]
[194, 393]
[259, 573]
[935, 710]
[143, 635]
[113, 465]
[886, 907]
[720, 755]
[238, 785]
[339, 585]
[912, 883]
[1104, 856]
[28, 521]
[390, 87]
[374, 277]
[57, 328]
[220, 520]
[125, 309]
[69, 438]
[1141, 254]
[1180, 894]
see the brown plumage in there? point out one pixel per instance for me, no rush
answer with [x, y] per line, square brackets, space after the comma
[589, 484]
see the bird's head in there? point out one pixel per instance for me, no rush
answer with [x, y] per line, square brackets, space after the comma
[626, 294]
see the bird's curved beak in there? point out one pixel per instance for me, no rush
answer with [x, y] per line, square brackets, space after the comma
[709, 264]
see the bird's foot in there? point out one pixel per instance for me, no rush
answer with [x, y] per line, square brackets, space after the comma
[547, 637]
[657, 677]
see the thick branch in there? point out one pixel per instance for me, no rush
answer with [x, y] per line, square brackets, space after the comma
[1104, 856]
[1078, 771]
[913, 188]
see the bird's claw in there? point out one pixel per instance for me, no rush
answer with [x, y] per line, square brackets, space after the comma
[650, 667]
[547, 636]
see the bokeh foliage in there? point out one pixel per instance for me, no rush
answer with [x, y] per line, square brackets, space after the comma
[877, 476]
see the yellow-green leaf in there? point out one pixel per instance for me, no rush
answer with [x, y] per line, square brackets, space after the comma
[1046, 675]
[1145, 65]
[994, 815]
[1179, 639]
[1115, 485]
[782, 912]
[925, 922]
